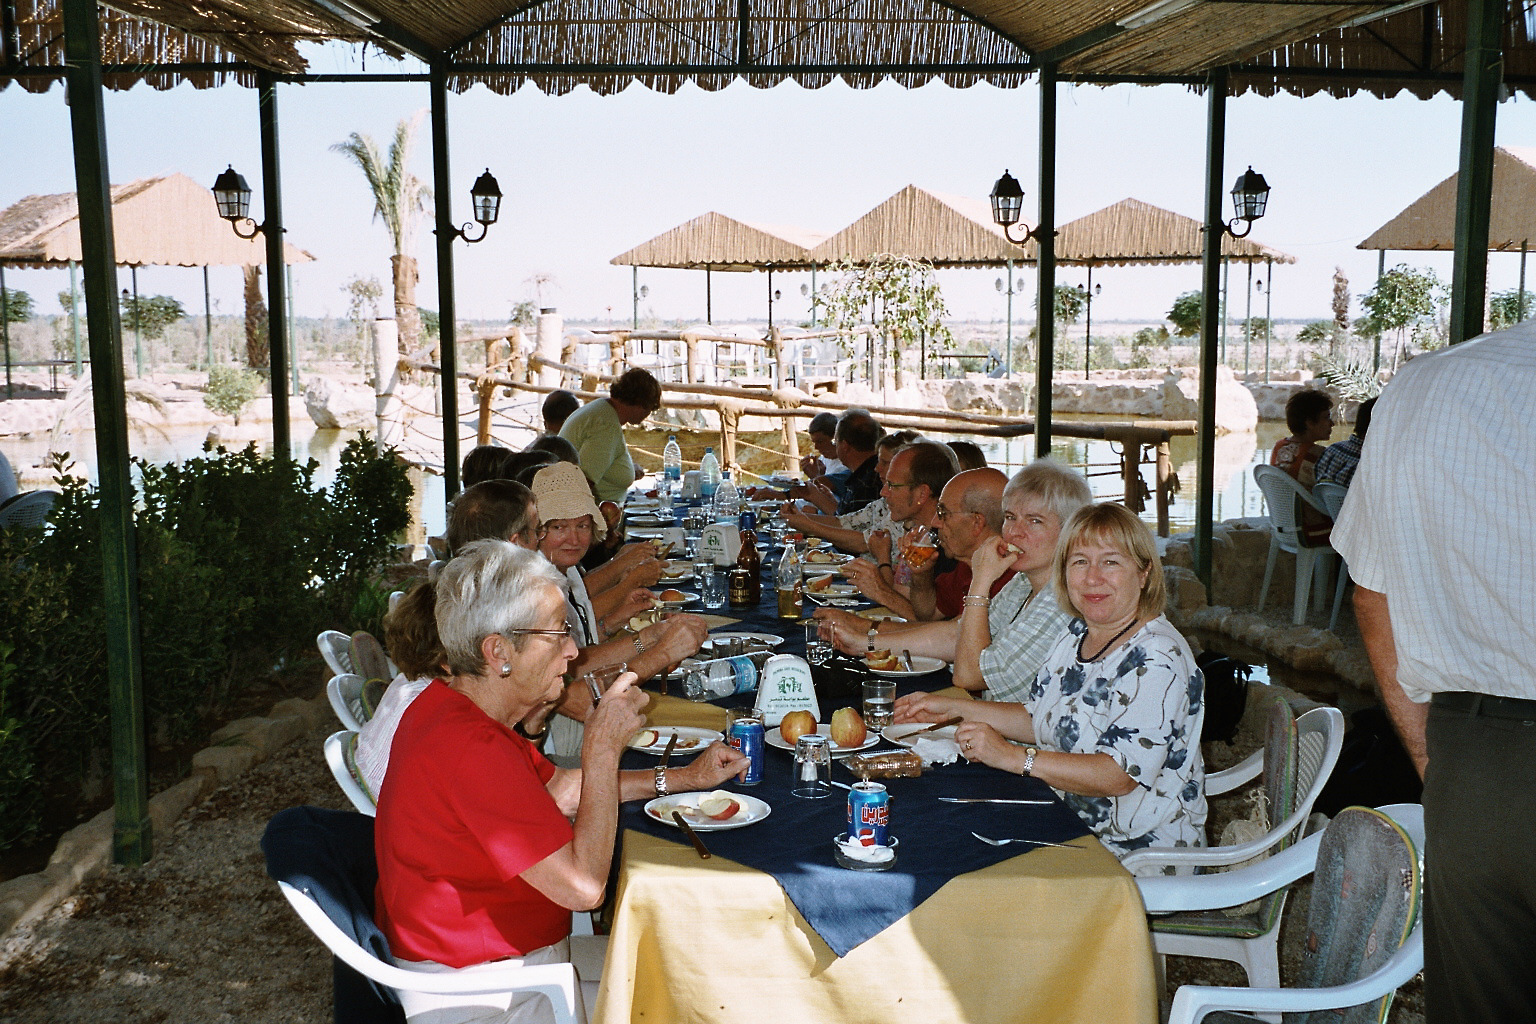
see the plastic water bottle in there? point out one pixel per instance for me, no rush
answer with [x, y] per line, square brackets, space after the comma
[727, 500]
[672, 459]
[709, 475]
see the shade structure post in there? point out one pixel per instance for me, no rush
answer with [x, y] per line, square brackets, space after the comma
[634, 291]
[1215, 228]
[447, 315]
[138, 317]
[5, 332]
[207, 320]
[1269, 302]
[1248, 322]
[74, 314]
[132, 837]
[1484, 63]
[272, 232]
[293, 336]
[709, 310]
[1381, 272]
[1008, 335]
[1045, 235]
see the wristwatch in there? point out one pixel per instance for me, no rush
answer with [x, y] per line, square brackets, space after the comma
[874, 631]
[661, 780]
[1029, 761]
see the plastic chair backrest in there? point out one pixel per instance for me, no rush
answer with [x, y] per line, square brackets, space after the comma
[336, 648]
[1331, 496]
[341, 757]
[345, 692]
[369, 659]
[1280, 788]
[28, 510]
[1283, 498]
[1365, 903]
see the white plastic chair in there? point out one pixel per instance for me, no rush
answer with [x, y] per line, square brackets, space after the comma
[27, 510]
[1298, 759]
[345, 692]
[336, 648]
[1285, 498]
[341, 756]
[1332, 496]
[1380, 850]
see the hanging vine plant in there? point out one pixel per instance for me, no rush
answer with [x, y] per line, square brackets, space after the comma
[898, 296]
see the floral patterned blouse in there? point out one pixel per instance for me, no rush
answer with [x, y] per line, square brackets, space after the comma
[1142, 706]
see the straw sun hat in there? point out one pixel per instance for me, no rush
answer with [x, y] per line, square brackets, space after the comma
[562, 492]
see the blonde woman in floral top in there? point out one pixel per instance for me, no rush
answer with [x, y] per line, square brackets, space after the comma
[1112, 720]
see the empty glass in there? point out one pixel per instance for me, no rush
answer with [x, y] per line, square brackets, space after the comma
[879, 703]
[818, 647]
[599, 680]
[813, 767]
[712, 587]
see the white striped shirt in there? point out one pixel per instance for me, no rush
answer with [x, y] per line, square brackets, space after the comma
[1439, 516]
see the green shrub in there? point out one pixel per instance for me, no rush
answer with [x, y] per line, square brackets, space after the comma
[231, 389]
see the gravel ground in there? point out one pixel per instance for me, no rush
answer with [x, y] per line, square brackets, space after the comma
[201, 934]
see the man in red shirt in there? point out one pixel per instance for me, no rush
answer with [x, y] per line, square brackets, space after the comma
[970, 509]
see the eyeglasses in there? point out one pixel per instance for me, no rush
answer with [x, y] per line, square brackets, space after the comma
[941, 513]
[893, 485]
[564, 633]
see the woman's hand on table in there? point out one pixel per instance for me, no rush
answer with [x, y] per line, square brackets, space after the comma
[982, 744]
[679, 636]
[927, 707]
[848, 632]
[865, 575]
[715, 765]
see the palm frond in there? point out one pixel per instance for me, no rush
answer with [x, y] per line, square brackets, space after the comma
[1354, 381]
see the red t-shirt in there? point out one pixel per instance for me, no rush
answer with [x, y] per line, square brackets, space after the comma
[950, 589]
[463, 811]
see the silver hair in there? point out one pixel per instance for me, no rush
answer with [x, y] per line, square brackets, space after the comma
[489, 587]
[1063, 489]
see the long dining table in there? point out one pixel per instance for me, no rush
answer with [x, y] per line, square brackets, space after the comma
[769, 928]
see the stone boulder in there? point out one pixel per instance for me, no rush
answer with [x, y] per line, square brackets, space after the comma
[1236, 411]
[334, 405]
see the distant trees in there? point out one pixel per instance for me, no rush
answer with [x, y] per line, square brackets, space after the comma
[1505, 309]
[17, 306]
[1407, 301]
[1185, 315]
[150, 315]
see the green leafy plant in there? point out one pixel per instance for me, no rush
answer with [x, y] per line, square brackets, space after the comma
[18, 306]
[1406, 301]
[231, 389]
[1353, 381]
[1505, 309]
[150, 315]
[1185, 314]
[1144, 341]
[898, 295]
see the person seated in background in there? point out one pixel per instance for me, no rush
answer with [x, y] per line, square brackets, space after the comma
[485, 462]
[970, 510]
[914, 480]
[410, 636]
[1337, 463]
[970, 454]
[555, 446]
[856, 439]
[597, 432]
[1309, 415]
[493, 509]
[1112, 720]
[484, 847]
[557, 408]
[998, 643]
[824, 465]
[851, 532]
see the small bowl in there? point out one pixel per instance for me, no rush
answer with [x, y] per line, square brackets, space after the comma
[844, 861]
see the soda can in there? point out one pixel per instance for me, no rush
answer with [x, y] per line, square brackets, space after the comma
[749, 520]
[869, 814]
[747, 736]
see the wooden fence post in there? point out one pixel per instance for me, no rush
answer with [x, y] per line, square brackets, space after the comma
[1166, 482]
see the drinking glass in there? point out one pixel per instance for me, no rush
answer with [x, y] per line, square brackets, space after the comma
[664, 496]
[599, 680]
[922, 549]
[818, 648]
[813, 767]
[879, 703]
[695, 681]
[712, 587]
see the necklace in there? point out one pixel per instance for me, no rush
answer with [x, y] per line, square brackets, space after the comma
[1105, 649]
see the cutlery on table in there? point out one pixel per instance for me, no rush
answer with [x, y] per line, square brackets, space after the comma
[937, 725]
[1005, 842]
[698, 844]
[666, 755]
[988, 800]
[906, 659]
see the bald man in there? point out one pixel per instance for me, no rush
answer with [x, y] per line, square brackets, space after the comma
[970, 508]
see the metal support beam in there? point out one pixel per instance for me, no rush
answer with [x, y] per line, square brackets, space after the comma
[132, 840]
[1484, 64]
[1045, 302]
[277, 301]
[447, 310]
[1210, 269]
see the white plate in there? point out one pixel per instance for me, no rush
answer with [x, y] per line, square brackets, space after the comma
[834, 590]
[830, 561]
[764, 638]
[752, 810]
[647, 519]
[774, 738]
[701, 738]
[882, 616]
[644, 504]
[688, 598]
[921, 666]
[901, 735]
[645, 533]
[837, 602]
[668, 579]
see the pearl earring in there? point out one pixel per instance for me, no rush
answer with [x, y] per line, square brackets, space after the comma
[506, 668]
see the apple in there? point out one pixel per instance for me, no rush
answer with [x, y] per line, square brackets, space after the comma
[848, 728]
[718, 805]
[795, 725]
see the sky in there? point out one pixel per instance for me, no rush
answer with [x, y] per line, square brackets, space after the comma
[587, 177]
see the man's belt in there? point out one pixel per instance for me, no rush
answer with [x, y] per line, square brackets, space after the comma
[1479, 704]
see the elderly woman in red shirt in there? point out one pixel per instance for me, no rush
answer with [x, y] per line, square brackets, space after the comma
[484, 847]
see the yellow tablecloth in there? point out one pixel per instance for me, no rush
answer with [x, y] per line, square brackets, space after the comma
[1050, 936]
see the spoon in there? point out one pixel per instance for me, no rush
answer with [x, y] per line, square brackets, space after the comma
[1037, 842]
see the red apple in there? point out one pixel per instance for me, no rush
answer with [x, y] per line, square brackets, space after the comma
[718, 805]
[795, 725]
[848, 728]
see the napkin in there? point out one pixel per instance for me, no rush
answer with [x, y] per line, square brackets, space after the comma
[936, 749]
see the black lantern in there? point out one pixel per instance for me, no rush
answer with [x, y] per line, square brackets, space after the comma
[1250, 195]
[1007, 204]
[232, 195]
[485, 199]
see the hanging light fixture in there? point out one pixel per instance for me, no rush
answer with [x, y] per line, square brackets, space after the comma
[1007, 205]
[1250, 196]
[232, 195]
[485, 200]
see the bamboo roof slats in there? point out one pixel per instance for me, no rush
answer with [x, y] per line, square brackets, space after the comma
[1131, 232]
[1429, 222]
[947, 231]
[717, 242]
[169, 221]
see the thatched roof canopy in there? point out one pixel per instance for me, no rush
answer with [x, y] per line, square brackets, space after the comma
[1132, 232]
[947, 231]
[717, 242]
[1430, 221]
[169, 221]
[1298, 46]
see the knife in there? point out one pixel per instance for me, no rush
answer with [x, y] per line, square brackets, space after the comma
[906, 659]
[936, 725]
[698, 844]
[988, 800]
[666, 755]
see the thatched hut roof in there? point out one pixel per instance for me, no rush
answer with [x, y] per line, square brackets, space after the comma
[1132, 232]
[170, 221]
[717, 242]
[1301, 46]
[947, 231]
[1429, 222]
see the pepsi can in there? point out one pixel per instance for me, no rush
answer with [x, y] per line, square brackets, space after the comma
[746, 735]
[869, 814]
[748, 521]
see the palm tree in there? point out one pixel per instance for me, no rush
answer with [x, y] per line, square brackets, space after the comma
[399, 197]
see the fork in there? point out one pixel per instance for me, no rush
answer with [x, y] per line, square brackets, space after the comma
[1037, 842]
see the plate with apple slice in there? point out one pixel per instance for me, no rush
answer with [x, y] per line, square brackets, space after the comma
[714, 811]
[774, 738]
[690, 740]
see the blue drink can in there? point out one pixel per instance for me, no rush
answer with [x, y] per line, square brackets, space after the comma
[869, 814]
[748, 520]
[746, 735]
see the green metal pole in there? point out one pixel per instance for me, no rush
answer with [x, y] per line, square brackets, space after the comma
[1269, 304]
[634, 291]
[293, 336]
[132, 840]
[1045, 301]
[447, 316]
[1210, 268]
[5, 330]
[1008, 337]
[74, 313]
[207, 321]
[272, 230]
[1484, 63]
[1381, 272]
[138, 333]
